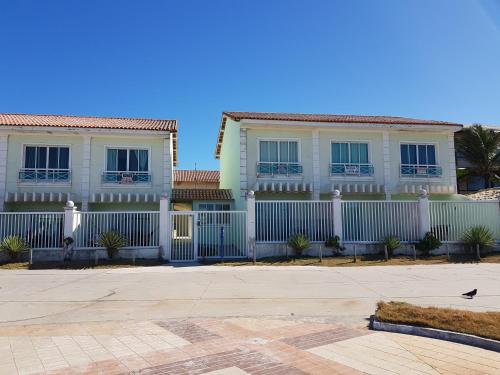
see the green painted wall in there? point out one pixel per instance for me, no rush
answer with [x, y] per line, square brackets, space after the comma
[230, 162]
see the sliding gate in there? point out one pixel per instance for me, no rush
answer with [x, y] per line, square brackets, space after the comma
[208, 235]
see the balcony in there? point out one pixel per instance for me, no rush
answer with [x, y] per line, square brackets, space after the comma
[413, 170]
[343, 169]
[44, 176]
[126, 178]
[278, 169]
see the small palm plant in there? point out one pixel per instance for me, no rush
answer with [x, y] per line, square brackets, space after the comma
[334, 244]
[298, 243]
[112, 241]
[428, 243]
[14, 246]
[391, 243]
[478, 237]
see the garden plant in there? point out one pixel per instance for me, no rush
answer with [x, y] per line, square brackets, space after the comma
[299, 243]
[391, 243]
[477, 238]
[14, 246]
[334, 244]
[112, 241]
[428, 243]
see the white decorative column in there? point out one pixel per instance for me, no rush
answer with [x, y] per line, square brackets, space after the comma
[452, 164]
[168, 164]
[4, 145]
[424, 215]
[85, 172]
[316, 165]
[387, 165]
[69, 219]
[243, 164]
[251, 224]
[165, 227]
[337, 214]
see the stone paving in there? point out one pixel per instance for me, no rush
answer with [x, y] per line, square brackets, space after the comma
[227, 346]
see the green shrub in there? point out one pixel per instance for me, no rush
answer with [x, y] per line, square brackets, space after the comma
[298, 243]
[392, 243]
[334, 243]
[112, 241]
[428, 243]
[14, 246]
[479, 235]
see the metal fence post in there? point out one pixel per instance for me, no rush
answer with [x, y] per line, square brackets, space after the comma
[424, 217]
[165, 226]
[251, 225]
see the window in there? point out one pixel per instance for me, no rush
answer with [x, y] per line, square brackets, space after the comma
[279, 151]
[46, 157]
[127, 160]
[214, 207]
[215, 217]
[415, 154]
[350, 153]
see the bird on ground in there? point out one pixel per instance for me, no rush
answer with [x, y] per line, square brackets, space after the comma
[470, 294]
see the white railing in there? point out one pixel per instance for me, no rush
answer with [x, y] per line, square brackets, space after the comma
[371, 221]
[42, 230]
[222, 234]
[277, 221]
[450, 219]
[140, 228]
[44, 175]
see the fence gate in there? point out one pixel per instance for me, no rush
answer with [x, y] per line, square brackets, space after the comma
[208, 234]
[183, 237]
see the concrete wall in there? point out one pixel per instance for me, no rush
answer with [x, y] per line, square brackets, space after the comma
[230, 163]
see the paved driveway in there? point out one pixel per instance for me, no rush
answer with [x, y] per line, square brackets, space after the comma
[346, 295]
[224, 321]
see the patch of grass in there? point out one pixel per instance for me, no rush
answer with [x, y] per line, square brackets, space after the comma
[362, 260]
[484, 324]
[80, 265]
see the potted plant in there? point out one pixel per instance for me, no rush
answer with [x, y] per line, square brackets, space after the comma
[428, 243]
[390, 244]
[14, 246]
[112, 241]
[478, 238]
[334, 244]
[298, 243]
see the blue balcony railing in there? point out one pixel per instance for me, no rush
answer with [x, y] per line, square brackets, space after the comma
[413, 170]
[49, 176]
[278, 169]
[126, 178]
[350, 169]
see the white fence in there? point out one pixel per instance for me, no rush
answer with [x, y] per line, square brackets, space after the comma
[450, 219]
[372, 221]
[40, 230]
[141, 229]
[277, 221]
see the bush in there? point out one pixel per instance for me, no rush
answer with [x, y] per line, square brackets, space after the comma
[14, 246]
[334, 243]
[392, 243]
[112, 241]
[479, 235]
[428, 243]
[298, 243]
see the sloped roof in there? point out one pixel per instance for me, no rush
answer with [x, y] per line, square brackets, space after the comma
[186, 175]
[186, 195]
[323, 118]
[91, 122]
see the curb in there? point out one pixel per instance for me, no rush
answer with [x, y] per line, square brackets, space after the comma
[461, 338]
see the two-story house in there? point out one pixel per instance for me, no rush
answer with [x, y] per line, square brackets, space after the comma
[308, 156]
[99, 163]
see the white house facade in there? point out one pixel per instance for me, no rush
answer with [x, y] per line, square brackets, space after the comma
[298, 156]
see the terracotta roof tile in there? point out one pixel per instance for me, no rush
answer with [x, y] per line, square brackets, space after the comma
[9, 119]
[180, 195]
[184, 175]
[324, 118]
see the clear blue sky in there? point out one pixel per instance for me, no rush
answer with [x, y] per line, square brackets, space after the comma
[190, 60]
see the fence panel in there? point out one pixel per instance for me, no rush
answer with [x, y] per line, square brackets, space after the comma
[371, 221]
[449, 219]
[42, 230]
[140, 228]
[276, 221]
[222, 233]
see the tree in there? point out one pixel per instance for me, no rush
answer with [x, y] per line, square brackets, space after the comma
[481, 148]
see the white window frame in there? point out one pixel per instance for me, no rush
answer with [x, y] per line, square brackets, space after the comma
[368, 143]
[128, 148]
[348, 177]
[47, 145]
[438, 161]
[299, 148]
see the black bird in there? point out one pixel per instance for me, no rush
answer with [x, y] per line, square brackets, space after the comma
[470, 294]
